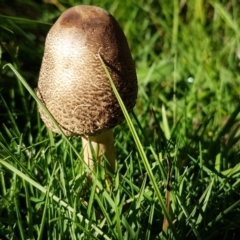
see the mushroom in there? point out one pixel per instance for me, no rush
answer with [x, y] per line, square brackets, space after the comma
[74, 86]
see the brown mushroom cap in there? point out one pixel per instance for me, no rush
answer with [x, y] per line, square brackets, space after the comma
[73, 84]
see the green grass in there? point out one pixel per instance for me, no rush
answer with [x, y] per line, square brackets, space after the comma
[179, 146]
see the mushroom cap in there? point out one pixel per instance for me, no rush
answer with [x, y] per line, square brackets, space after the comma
[72, 82]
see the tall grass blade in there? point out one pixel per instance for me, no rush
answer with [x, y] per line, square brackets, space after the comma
[225, 16]
[29, 89]
[139, 147]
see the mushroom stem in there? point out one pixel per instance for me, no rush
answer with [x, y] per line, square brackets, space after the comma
[100, 145]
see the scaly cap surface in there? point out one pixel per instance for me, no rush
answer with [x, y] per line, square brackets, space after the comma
[73, 84]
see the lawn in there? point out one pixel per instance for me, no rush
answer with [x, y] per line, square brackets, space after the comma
[178, 159]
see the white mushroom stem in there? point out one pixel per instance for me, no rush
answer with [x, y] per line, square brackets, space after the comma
[101, 145]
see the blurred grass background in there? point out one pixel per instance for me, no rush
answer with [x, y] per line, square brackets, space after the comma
[187, 56]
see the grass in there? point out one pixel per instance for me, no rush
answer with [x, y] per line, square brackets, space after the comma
[178, 153]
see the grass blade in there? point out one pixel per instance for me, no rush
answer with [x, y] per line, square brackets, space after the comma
[139, 147]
